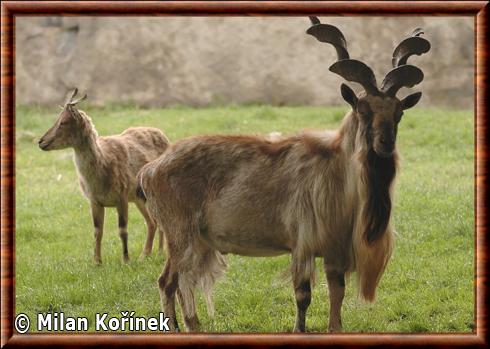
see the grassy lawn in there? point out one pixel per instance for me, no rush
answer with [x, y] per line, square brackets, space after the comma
[427, 287]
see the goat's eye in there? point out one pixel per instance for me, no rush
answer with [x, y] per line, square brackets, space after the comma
[364, 110]
[366, 115]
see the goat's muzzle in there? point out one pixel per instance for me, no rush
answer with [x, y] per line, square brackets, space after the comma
[43, 145]
[384, 149]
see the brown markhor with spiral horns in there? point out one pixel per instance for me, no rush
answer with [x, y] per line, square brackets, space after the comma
[314, 194]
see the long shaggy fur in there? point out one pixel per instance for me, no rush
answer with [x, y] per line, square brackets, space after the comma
[373, 236]
[321, 194]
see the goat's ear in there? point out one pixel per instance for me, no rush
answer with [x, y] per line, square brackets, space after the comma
[348, 95]
[411, 100]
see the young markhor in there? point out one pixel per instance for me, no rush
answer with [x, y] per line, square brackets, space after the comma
[107, 168]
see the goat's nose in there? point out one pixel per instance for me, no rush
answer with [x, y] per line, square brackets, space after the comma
[40, 140]
[388, 140]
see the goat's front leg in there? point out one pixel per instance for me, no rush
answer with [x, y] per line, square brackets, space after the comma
[168, 282]
[98, 220]
[122, 211]
[336, 290]
[302, 292]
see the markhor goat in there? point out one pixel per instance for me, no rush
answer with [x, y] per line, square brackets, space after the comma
[107, 168]
[323, 194]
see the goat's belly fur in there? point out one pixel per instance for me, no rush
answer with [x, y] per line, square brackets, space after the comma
[252, 249]
[245, 241]
[106, 197]
[254, 229]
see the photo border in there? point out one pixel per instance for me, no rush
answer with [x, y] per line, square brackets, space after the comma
[11, 9]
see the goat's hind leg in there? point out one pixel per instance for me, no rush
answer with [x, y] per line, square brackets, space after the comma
[200, 267]
[188, 305]
[167, 285]
[151, 228]
[336, 290]
[172, 277]
[194, 268]
[171, 282]
[122, 211]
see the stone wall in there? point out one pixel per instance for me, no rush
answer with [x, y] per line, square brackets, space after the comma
[200, 61]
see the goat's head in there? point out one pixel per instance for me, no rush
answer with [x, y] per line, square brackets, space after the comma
[378, 110]
[64, 132]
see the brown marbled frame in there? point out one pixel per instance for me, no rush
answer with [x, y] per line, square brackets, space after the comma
[11, 9]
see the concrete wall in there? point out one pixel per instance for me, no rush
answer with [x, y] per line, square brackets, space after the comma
[198, 61]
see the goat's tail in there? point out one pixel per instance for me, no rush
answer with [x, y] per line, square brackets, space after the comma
[371, 259]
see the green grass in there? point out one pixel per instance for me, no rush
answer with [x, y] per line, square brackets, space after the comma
[427, 287]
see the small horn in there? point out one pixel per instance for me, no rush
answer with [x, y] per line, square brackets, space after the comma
[414, 45]
[329, 34]
[78, 100]
[402, 76]
[417, 32]
[314, 20]
[74, 93]
[356, 71]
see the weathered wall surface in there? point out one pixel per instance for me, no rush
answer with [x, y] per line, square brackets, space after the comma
[216, 60]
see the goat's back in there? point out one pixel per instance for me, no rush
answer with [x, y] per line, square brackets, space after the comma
[146, 139]
[246, 194]
[124, 155]
[136, 146]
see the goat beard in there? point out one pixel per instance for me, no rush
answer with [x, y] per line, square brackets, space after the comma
[378, 174]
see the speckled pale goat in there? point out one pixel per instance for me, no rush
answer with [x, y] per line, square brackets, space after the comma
[107, 168]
